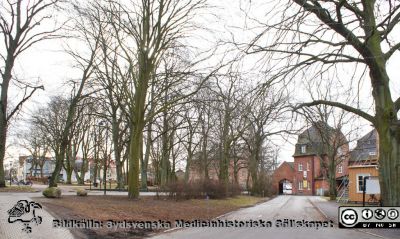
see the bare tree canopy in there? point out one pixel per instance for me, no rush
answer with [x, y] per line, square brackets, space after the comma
[314, 38]
[20, 29]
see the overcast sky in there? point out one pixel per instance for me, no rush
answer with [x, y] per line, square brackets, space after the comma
[47, 61]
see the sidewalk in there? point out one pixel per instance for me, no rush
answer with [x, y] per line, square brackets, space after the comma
[14, 230]
[330, 210]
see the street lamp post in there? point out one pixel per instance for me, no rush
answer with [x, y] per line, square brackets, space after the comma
[104, 124]
[10, 172]
[105, 159]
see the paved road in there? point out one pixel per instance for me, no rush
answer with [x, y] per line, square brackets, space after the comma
[282, 207]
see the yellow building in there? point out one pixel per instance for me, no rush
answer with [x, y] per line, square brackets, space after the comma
[356, 181]
[363, 162]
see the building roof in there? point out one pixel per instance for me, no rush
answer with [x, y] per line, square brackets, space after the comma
[291, 164]
[366, 148]
[313, 138]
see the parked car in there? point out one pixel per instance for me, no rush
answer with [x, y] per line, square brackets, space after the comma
[26, 183]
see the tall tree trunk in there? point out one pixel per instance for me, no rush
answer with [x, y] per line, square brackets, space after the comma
[67, 165]
[69, 176]
[145, 161]
[189, 159]
[204, 162]
[41, 171]
[78, 177]
[146, 68]
[332, 162]
[135, 146]
[389, 165]
[95, 169]
[57, 169]
[3, 112]
[388, 127]
[386, 121]
[117, 149]
[136, 143]
[226, 144]
[83, 171]
[3, 132]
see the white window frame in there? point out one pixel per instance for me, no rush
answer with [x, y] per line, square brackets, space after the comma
[303, 149]
[300, 184]
[308, 166]
[300, 167]
[308, 185]
[340, 168]
[357, 180]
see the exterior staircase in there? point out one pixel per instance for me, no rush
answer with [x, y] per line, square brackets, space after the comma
[343, 192]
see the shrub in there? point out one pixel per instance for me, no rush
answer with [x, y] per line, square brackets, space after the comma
[52, 192]
[262, 187]
[200, 189]
[81, 192]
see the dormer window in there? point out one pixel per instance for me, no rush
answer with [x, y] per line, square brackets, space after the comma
[303, 149]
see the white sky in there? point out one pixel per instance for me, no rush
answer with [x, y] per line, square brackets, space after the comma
[48, 62]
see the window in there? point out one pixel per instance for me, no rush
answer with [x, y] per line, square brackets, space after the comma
[300, 185]
[300, 167]
[308, 167]
[308, 186]
[339, 152]
[360, 182]
[303, 149]
[340, 169]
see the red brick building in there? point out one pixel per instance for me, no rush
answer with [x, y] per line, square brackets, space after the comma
[307, 173]
[283, 174]
[237, 170]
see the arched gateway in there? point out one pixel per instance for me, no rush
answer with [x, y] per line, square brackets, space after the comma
[283, 177]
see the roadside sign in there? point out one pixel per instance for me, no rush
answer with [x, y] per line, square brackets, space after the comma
[372, 186]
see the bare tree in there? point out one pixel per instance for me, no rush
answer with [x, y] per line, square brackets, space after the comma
[50, 121]
[314, 34]
[88, 34]
[20, 29]
[230, 96]
[38, 146]
[154, 27]
[266, 116]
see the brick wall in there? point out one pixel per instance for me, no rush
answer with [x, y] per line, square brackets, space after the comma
[284, 171]
[304, 176]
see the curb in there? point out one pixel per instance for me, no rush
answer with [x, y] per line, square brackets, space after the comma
[320, 211]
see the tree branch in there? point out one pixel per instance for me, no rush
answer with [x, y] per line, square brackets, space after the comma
[324, 16]
[25, 98]
[397, 105]
[358, 112]
[392, 50]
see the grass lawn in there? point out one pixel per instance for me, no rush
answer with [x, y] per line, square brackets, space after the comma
[14, 188]
[146, 208]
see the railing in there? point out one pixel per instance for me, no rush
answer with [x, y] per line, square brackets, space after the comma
[343, 191]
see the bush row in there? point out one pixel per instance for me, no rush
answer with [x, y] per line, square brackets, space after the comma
[201, 189]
